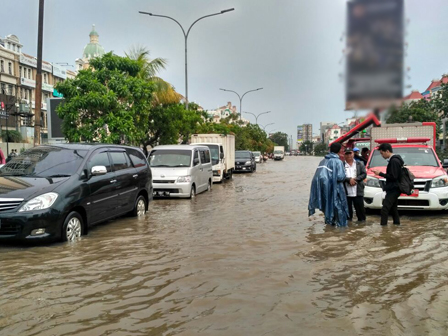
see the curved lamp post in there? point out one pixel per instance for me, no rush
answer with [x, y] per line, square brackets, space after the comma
[241, 97]
[186, 38]
[256, 116]
[264, 127]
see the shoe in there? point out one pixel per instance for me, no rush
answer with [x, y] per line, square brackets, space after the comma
[361, 221]
[397, 224]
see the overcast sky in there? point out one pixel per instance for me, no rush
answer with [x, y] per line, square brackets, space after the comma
[291, 48]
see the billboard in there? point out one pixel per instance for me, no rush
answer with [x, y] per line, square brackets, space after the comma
[299, 133]
[375, 53]
[53, 121]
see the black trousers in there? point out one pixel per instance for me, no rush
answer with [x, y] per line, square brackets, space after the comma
[358, 202]
[390, 206]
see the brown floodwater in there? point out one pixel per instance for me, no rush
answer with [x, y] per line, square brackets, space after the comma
[244, 259]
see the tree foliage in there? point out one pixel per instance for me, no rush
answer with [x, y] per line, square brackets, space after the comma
[306, 147]
[106, 103]
[320, 149]
[280, 139]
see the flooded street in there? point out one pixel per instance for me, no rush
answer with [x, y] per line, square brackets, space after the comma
[244, 259]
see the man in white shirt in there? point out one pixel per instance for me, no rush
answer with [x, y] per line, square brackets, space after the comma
[355, 172]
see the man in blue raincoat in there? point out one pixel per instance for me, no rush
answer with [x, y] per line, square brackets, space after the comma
[327, 189]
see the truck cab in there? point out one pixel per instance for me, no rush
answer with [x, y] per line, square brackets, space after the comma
[431, 179]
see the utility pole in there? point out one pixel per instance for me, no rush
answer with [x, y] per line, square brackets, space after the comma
[38, 92]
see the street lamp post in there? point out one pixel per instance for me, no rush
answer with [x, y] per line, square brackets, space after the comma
[186, 38]
[256, 116]
[264, 127]
[241, 97]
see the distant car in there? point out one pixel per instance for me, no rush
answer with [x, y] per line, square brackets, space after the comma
[258, 157]
[245, 161]
[59, 191]
[288, 153]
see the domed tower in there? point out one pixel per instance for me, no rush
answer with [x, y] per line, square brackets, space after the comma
[91, 50]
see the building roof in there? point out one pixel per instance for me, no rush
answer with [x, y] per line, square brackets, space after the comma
[93, 32]
[415, 94]
[92, 50]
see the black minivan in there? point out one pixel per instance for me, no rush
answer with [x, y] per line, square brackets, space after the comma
[56, 192]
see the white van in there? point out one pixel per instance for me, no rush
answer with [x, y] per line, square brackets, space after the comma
[180, 170]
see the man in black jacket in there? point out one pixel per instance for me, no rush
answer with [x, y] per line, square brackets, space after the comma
[393, 175]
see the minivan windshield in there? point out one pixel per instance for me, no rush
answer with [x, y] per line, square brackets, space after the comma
[170, 158]
[278, 152]
[412, 156]
[242, 155]
[45, 162]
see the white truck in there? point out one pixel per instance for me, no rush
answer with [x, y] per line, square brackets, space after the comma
[222, 149]
[279, 152]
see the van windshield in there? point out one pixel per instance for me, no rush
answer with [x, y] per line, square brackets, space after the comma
[170, 158]
[214, 151]
[278, 152]
[412, 156]
[45, 162]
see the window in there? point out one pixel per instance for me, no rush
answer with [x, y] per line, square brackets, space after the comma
[196, 156]
[202, 156]
[45, 78]
[11, 90]
[120, 160]
[24, 72]
[22, 94]
[3, 89]
[20, 70]
[100, 159]
[10, 68]
[137, 158]
[207, 156]
[2, 66]
[29, 73]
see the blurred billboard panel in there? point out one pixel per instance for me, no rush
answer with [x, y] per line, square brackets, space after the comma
[375, 53]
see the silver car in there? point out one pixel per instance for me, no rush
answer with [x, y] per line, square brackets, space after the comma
[258, 157]
[180, 170]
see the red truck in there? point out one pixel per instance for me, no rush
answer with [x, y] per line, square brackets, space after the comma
[415, 143]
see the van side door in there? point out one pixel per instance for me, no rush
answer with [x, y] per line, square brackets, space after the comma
[196, 171]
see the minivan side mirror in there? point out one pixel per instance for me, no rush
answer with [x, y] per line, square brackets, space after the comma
[98, 170]
[221, 155]
[195, 161]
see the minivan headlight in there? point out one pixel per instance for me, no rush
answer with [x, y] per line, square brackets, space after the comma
[184, 179]
[40, 202]
[248, 163]
[373, 182]
[439, 182]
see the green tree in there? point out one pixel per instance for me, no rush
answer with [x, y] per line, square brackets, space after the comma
[306, 147]
[320, 149]
[281, 139]
[107, 102]
[149, 68]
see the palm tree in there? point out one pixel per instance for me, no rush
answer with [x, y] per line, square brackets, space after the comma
[165, 93]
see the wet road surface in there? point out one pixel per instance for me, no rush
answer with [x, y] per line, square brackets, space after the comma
[242, 260]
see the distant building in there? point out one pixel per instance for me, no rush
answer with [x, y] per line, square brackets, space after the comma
[224, 112]
[91, 50]
[332, 133]
[324, 126]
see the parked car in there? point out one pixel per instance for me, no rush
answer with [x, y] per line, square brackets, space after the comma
[57, 192]
[258, 157]
[245, 161]
[181, 170]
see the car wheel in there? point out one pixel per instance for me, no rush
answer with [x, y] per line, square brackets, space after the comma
[230, 175]
[209, 187]
[193, 192]
[139, 207]
[73, 227]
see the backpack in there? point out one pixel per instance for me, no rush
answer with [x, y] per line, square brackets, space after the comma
[406, 181]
